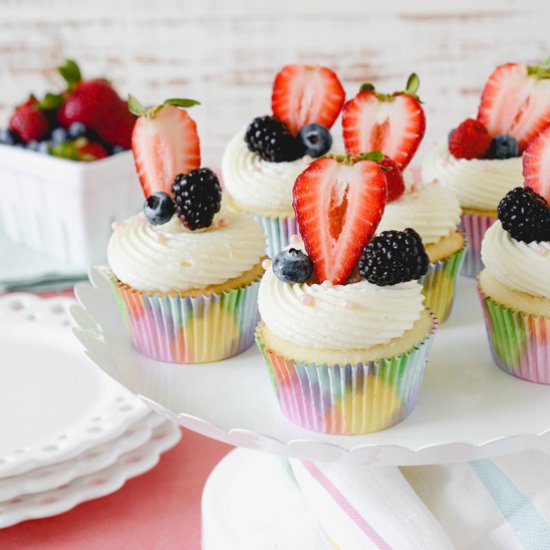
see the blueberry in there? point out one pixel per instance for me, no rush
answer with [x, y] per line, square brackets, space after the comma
[59, 136]
[76, 130]
[117, 149]
[316, 139]
[44, 147]
[7, 137]
[292, 266]
[503, 146]
[158, 208]
[33, 145]
[450, 134]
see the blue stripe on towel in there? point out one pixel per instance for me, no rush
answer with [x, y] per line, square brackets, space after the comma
[517, 509]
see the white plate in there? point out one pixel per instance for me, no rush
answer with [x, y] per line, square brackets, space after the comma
[94, 485]
[22, 265]
[92, 460]
[468, 409]
[54, 403]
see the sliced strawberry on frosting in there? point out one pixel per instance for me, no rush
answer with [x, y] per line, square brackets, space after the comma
[338, 203]
[391, 123]
[516, 101]
[395, 185]
[536, 164]
[165, 143]
[303, 94]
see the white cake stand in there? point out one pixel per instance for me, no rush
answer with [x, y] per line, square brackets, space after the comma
[468, 409]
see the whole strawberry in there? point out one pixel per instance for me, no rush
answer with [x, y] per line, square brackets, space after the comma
[29, 122]
[95, 104]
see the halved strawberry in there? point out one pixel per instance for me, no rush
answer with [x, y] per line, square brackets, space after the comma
[516, 101]
[391, 123]
[165, 143]
[303, 94]
[536, 164]
[338, 204]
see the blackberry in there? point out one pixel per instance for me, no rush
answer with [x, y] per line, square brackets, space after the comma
[394, 257]
[158, 208]
[525, 215]
[272, 140]
[198, 196]
[292, 266]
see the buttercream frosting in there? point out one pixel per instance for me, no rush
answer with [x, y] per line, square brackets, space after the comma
[170, 257]
[518, 265]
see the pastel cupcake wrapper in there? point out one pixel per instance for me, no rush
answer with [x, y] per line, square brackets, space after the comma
[440, 283]
[348, 399]
[278, 231]
[182, 329]
[474, 227]
[519, 342]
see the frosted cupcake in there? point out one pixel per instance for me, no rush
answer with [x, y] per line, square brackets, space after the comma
[513, 288]
[344, 331]
[374, 120]
[481, 161]
[262, 161]
[185, 270]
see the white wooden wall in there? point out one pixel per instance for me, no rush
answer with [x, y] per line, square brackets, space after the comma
[226, 53]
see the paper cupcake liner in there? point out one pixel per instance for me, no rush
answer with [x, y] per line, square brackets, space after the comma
[348, 399]
[440, 282]
[278, 231]
[474, 227]
[182, 329]
[520, 342]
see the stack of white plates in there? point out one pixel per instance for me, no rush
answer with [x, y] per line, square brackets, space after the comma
[68, 433]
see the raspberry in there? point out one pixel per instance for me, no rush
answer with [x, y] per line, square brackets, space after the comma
[271, 139]
[198, 196]
[525, 215]
[470, 140]
[394, 257]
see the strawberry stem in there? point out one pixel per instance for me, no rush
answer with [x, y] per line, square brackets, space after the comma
[70, 72]
[540, 71]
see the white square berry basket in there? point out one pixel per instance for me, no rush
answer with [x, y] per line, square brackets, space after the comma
[62, 207]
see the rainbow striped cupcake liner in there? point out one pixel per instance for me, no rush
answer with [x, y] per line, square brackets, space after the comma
[181, 329]
[348, 399]
[519, 342]
[440, 283]
[278, 231]
[474, 227]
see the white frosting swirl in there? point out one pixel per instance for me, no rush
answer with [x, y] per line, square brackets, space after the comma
[477, 183]
[518, 265]
[353, 316]
[169, 257]
[432, 211]
[256, 184]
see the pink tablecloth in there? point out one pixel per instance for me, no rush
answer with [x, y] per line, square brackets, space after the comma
[159, 510]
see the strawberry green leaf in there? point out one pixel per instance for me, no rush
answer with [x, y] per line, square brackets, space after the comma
[376, 156]
[70, 72]
[51, 102]
[180, 102]
[134, 105]
[413, 83]
[367, 87]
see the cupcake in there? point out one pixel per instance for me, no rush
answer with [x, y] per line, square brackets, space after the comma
[513, 287]
[432, 211]
[344, 331]
[262, 161]
[481, 160]
[186, 269]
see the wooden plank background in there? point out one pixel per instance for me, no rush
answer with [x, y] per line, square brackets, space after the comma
[226, 53]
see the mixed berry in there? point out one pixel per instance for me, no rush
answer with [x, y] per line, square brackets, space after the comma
[339, 202]
[298, 126]
[86, 121]
[514, 108]
[166, 148]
